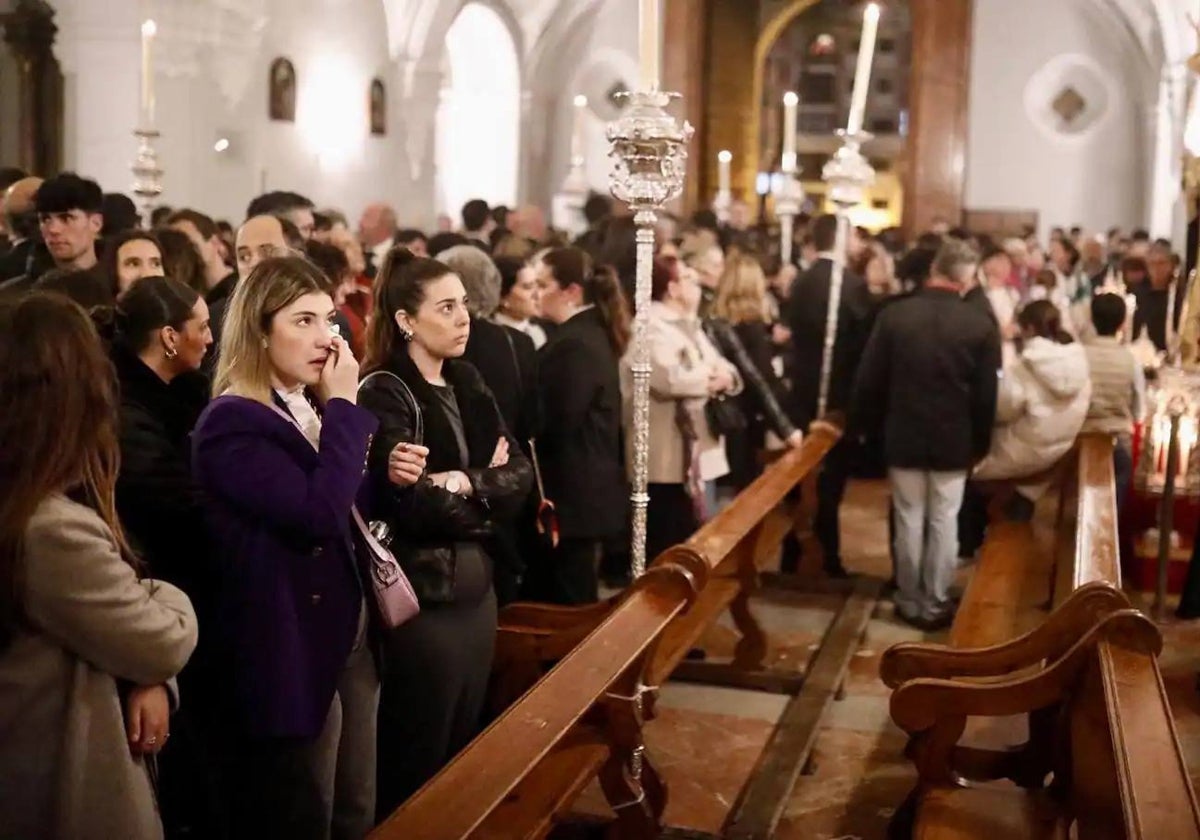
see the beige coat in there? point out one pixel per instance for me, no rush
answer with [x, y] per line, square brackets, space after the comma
[679, 370]
[65, 766]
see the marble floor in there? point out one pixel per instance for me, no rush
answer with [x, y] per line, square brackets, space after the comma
[706, 741]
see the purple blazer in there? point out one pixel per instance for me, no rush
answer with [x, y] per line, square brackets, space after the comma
[289, 590]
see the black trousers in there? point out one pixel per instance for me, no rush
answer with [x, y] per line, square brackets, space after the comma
[831, 488]
[670, 520]
[435, 677]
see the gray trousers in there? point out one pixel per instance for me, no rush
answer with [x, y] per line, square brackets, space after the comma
[926, 541]
[343, 757]
[314, 789]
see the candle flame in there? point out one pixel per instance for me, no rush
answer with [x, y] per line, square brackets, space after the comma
[581, 101]
[725, 156]
[149, 28]
[790, 98]
[872, 11]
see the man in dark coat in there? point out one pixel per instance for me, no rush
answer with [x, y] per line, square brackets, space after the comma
[70, 215]
[806, 315]
[928, 378]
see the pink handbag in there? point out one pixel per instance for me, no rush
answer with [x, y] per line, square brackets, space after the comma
[394, 595]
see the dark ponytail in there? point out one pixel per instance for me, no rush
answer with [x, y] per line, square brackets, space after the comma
[601, 288]
[150, 304]
[400, 285]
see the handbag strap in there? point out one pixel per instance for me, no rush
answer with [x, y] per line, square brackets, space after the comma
[512, 348]
[418, 417]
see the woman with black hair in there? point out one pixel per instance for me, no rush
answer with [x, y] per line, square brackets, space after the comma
[436, 666]
[158, 335]
[130, 256]
[520, 299]
[580, 445]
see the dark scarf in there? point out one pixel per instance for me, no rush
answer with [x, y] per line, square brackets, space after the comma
[480, 417]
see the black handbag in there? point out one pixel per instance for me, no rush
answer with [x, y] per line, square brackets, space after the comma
[725, 417]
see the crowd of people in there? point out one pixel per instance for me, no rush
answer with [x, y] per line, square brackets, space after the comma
[211, 437]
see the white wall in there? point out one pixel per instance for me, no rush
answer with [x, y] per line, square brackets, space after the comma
[609, 53]
[1097, 180]
[212, 63]
[328, 154]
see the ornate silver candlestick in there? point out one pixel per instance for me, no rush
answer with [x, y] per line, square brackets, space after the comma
[849, 175]
[147, 174]
[649, 151]
[789, 195]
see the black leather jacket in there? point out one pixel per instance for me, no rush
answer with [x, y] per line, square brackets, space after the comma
[424, 516]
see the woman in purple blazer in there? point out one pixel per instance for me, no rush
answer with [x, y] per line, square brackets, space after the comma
[280, 455]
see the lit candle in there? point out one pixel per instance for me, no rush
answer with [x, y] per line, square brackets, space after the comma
[791, 104]
[577, 137]
[724, 158]
[149, 30]
[862, 72]
[648, 27]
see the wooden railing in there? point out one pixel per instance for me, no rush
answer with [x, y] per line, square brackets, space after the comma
[584, 717]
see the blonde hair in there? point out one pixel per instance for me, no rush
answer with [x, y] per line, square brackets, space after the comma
[244, 367]
[742, 292]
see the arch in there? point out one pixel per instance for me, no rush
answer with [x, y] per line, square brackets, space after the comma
[479, 114]
[766, 39]
[554, 53]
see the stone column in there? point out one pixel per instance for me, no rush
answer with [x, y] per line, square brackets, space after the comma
[100, 51]
[935, 178]
[29, 31]
[684, 72]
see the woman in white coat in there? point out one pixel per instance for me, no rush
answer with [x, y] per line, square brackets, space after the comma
[1042, 403]
[686, 372]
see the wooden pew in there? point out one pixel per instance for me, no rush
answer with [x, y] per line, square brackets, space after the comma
[1102, 756]
[584, 718]
[532, 637]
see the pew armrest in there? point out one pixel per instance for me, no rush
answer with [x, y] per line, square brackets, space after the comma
[1047, 642]
[934, 711]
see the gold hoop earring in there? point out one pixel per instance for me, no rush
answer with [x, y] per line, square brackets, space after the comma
[171, 352]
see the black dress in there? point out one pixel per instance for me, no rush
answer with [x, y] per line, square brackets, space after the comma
[436, 666]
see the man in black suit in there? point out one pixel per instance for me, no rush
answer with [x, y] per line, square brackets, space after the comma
[377, 233]
[806, 316]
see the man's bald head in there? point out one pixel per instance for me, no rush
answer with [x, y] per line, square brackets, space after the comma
[19, 207]
[258, 238]
[378, 224]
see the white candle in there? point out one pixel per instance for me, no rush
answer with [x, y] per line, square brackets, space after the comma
[577, 138]
[791, 104]
[149, 30]
[648, 27]
[724, 182]
[862, 73]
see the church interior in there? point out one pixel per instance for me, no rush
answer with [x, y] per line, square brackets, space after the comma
[817, 460]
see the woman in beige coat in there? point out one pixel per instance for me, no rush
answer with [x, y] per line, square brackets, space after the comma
[686, 371]
[86, 648]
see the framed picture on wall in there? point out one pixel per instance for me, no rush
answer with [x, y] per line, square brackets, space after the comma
[377, 107]
[282, 91]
